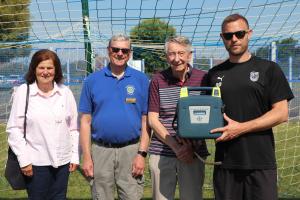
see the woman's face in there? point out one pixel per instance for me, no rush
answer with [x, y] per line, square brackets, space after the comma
[45, 72]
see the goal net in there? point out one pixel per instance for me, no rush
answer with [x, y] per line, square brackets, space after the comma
[79, 31]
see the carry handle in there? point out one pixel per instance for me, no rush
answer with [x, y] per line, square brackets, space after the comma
[215, 91]
[199, 88]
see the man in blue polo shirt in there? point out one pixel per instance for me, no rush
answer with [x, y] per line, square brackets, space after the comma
[114, 106]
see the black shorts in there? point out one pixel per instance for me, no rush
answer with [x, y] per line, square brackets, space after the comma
[236, 184]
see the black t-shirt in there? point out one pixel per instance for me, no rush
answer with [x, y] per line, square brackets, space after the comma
[248, 91]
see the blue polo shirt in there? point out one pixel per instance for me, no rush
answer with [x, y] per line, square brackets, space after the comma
[116, 106]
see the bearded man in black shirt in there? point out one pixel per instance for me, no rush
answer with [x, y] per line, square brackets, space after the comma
[256, 94]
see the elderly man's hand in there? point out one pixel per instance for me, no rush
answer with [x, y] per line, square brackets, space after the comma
[185, 152]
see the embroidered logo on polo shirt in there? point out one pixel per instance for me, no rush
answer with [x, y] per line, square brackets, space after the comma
[254, 76]
[130, 89]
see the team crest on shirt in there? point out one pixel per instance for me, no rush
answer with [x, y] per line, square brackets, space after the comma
[130, 89]
[254, 76]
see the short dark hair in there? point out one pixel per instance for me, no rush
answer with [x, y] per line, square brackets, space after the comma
[233, 18]
[39, 56]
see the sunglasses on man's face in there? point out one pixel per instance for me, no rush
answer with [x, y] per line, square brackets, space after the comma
[238, 35]
[116, 50]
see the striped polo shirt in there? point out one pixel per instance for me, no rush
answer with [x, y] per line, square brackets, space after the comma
[163, 97]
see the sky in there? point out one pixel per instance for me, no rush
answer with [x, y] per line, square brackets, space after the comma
[58, 23]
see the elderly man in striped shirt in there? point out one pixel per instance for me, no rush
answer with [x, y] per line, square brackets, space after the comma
[171, 157]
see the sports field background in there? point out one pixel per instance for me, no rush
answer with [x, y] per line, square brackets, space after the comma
[287, 151]
[78, 30]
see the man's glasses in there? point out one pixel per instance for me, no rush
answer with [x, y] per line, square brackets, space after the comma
[238, 34]
[116, 50]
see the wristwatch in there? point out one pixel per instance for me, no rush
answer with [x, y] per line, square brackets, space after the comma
[142, 153]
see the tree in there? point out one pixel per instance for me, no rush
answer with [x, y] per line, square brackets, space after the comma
[202, 63]
[149, 37]
[286, 48]
[263, 52]
[14, 27]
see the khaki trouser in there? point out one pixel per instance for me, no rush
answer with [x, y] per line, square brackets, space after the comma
[113, 166]
[166, 171]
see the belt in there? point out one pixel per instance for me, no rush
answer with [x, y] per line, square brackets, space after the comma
[116, 145]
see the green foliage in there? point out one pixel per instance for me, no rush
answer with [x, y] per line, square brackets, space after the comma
[154, 60]
[263, 52]
[151, 33]
[202, 63]
[14, 27]
[9, 52]
[285, 48]
[15, 20]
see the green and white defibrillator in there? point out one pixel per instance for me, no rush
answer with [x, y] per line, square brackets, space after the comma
[198, 114]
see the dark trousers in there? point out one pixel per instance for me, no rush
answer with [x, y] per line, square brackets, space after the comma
[48, 183]
[233, 184]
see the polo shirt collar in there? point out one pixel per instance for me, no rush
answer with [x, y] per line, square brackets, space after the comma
[34, 90]
[127, 72]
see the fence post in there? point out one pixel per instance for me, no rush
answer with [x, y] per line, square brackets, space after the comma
[273, 52]
[290, 70]
[86, 31]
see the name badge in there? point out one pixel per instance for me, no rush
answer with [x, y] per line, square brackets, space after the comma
[130, 100]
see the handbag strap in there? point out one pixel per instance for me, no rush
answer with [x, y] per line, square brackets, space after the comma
[26, 108]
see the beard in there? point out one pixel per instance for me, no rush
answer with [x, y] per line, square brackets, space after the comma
[237, 52]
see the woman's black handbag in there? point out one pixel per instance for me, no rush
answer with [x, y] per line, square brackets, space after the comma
[13, 173]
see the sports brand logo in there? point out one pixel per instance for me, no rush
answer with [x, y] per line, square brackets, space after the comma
[254, 76]
[130, 89]
[219, 81]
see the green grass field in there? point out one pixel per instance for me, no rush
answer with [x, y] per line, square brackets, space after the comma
[287, 151]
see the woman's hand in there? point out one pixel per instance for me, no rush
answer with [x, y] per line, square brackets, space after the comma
[27, 170]
[72, 167]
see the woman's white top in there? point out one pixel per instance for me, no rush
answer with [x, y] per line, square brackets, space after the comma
[52, 136]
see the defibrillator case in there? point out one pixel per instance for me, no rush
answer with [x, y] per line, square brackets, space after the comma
[198, 114]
